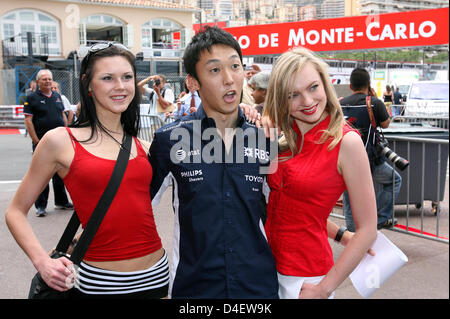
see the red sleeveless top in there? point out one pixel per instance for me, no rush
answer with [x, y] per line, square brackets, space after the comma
[303, 192]
[128, 229]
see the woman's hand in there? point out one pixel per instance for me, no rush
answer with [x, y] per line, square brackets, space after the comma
[59, 274]
[348, 235]
[270, 130]
[311, 291]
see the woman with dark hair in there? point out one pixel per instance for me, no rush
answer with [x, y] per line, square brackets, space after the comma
[125, 258]
[388, 98]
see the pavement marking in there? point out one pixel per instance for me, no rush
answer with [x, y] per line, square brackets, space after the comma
[11, 182]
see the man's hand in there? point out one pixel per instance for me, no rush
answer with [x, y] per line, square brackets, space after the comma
[30, 128]
[256, 68]
[157, 90]
[144, 82]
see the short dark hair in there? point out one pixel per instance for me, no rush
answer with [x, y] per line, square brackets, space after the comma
[360, 79]
[130, 118]
[204, 40]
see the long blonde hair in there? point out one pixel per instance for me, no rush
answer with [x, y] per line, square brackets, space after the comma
[277, 104]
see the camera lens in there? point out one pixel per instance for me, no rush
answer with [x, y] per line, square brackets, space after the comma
[398, 161]
[401, 163]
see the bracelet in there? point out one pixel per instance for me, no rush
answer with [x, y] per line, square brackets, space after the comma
[340, 233]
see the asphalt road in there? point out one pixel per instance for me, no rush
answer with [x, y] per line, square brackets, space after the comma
[424, 276]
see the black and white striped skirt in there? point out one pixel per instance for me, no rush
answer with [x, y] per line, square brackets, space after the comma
[153, 281]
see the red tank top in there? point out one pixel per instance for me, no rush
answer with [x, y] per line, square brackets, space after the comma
[303, 192]
[128, 229]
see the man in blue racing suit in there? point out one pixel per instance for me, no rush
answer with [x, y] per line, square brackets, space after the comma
[216, 161]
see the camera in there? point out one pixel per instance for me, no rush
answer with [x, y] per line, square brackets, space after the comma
[383, 149]
[157, 81]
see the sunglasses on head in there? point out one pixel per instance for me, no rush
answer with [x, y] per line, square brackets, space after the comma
[100, 46]
[105, 45]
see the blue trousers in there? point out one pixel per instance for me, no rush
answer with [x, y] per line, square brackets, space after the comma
[382, 174]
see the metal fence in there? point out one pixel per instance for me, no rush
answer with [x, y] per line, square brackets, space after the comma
[8, 84]
[20, 45]
[422, 207]
[424, 181]
[434, 121]
[11, 116]
[149, 124]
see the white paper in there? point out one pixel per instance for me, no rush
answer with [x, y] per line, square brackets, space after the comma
[373, 271]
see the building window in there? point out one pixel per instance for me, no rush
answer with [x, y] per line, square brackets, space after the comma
[99, 28]
[161, 34]
[146, 37]
[8, 30]
[23, 21]
[50, 30]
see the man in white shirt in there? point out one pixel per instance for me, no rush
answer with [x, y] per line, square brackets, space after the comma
[161, 97]
[189, 103]
[67, 105]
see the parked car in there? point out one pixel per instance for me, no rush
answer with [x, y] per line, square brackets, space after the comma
[428, 98]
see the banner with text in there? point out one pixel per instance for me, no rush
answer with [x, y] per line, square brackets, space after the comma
[389, 30]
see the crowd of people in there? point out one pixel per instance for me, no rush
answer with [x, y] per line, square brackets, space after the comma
[239, 232]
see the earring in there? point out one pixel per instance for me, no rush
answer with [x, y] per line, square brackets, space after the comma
[89, 93]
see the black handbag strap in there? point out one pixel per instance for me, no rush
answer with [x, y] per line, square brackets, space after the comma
[99, 211]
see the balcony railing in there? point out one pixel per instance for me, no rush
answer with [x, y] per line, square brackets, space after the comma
[26, 44]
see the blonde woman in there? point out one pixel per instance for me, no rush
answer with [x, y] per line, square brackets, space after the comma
[320, 156]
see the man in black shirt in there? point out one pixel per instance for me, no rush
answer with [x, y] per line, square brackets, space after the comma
[354, 107]
[44, 111]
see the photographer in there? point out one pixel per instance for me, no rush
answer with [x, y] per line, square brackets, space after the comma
[161, 97]
[381, 171]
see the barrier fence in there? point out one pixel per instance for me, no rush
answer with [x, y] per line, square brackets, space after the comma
[422, 206]
[431, 170]
[434, 121]
[11, 116]
[149, 124]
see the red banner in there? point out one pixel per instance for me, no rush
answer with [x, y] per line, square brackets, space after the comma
[389, 30]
